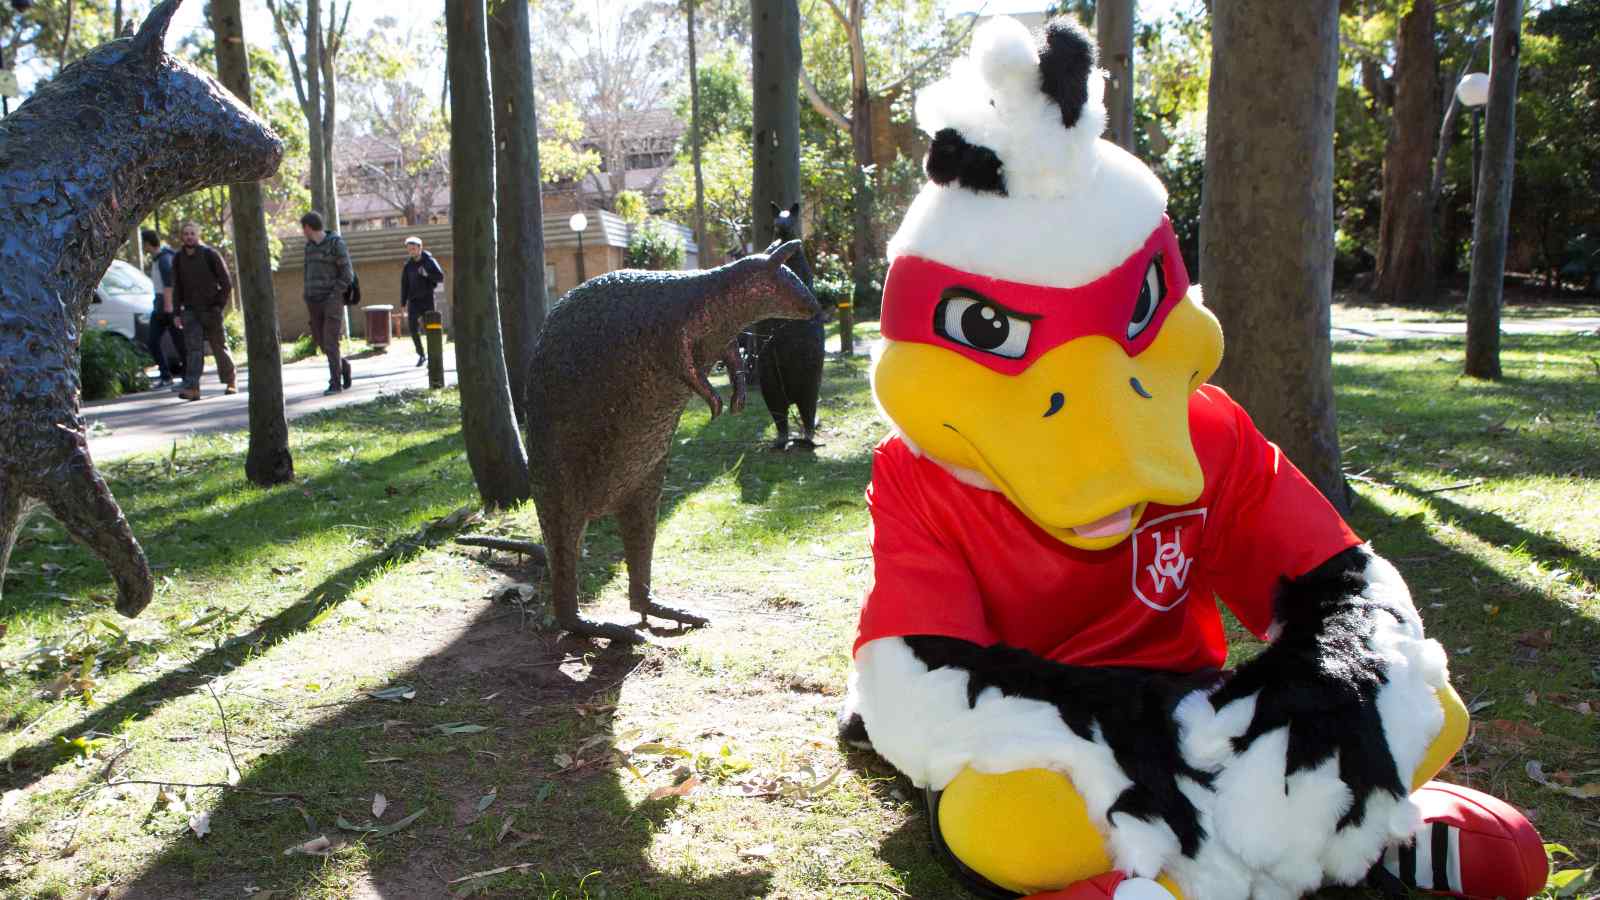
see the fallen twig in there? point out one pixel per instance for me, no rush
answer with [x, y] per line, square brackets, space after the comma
[873, 883]
[526, 548]
[202, 784]
[1451, 487]
[234, 773]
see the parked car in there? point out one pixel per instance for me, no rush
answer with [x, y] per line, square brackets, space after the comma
[122, 303]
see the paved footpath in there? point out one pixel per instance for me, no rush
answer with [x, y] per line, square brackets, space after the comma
[1389, 330]
[155, 418]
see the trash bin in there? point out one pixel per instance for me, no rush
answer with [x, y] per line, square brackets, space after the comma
[378, 326]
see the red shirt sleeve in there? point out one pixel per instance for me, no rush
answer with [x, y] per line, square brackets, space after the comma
[1272, 522]
[920, 585]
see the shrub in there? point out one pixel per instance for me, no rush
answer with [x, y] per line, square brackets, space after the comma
[655, 246]
[233, 329]
[831, 291]
[110, 366]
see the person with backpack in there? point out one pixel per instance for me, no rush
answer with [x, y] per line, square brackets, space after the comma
[418, 280]
[200, 291]
[162, 318]
[330, 282]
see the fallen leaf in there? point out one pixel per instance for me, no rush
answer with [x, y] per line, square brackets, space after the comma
[1535, 771]
[487, 872]
[460, 728]
[505, 829]
[562, 761]
[200, 824]
[759, 851]
[391, 829]
[317, 846]
[379, 804]
[487, 800]
[1585, 708]
[682, 789]
[1531, 698]
[384, 759]
[490, 697]
[1515, 729]
[394, 693]
[1538, 638]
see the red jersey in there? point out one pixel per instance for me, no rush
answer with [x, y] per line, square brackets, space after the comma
[958, 561]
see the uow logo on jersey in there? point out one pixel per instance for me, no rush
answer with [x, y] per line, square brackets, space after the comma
[1163, 555]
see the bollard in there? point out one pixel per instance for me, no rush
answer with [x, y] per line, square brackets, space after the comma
[433, 327]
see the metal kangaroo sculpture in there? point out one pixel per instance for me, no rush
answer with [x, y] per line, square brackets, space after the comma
[88, 156]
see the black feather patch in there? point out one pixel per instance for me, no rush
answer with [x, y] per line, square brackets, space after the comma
[1132, 708]
[974, 167]
[1066, 57]
[1320, 679]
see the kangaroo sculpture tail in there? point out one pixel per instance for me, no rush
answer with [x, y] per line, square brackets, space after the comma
[88, 156]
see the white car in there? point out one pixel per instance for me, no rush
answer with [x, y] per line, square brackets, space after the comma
[122, 300]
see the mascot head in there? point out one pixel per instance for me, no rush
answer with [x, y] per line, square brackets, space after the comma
[1040, 338]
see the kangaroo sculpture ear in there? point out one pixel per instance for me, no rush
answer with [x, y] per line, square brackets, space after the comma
[151, 40]
[776, 210]
[795, 209]
[781, 255]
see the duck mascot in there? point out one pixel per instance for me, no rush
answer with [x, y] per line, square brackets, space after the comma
[1061, 505]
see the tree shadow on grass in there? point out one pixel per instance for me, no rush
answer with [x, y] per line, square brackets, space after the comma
[502, 796]
[30, 763]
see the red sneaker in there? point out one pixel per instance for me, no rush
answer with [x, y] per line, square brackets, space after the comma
[1470, 845]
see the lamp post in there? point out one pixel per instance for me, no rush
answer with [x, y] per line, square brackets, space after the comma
[578, 223]
[1473, 92]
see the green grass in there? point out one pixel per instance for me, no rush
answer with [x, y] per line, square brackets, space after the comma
[293, 602]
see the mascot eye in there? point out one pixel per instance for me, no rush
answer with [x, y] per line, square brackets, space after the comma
[1151, 292]
[982, 325]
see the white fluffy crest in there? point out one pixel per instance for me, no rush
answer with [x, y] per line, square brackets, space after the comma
[993, 97]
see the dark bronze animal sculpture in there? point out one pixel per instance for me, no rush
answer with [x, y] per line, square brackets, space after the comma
[617, 362]
[90, 154]
[789, 354]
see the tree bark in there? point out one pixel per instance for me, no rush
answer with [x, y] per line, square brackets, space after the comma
[521, 215]
[313, 109]
[268, 461]
[694, 145]
[1405, 270]
[862, 246]
[1113, 29]
[1269, 184]
[488, 424]
[332, 38]
[775, 111]
[1493, 206]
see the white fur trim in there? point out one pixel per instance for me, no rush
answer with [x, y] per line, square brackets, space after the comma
[1141, 889]
[1055, 241]
[920, 721]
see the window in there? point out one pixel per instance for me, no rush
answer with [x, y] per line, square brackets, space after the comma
[649, 160]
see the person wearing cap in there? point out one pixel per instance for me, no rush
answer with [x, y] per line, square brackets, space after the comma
[1061, 508]
[418, 279]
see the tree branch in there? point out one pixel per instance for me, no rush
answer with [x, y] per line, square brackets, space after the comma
[938, 55]
[288, 50]
[822, 106]
[838, 13]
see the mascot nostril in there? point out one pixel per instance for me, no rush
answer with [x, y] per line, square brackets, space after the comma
[1041, 649]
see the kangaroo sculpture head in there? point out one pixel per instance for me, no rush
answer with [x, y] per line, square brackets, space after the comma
[87, 157]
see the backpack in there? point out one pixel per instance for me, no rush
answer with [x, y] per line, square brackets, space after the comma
[352, 294]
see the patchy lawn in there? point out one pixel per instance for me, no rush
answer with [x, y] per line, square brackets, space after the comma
[327, 640]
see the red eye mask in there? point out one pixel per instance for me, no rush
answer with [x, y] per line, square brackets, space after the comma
[1006, 325]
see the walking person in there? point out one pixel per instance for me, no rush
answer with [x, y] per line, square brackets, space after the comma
[328, 278]
[200, 291]
[418, 280]
[161, 315]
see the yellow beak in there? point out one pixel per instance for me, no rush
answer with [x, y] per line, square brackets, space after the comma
[1081, 440]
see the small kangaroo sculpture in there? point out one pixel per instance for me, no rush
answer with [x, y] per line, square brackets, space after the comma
[789, 354]
[88, 156]
[618, 360]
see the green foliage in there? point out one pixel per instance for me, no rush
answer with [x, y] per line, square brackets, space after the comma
[725, 164]
[654, 246]
[233, 328]
[631, 207]
[561, 157]
[110, 366]
[725, 104]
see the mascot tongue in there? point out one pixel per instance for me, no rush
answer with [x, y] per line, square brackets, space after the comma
[1108, 526]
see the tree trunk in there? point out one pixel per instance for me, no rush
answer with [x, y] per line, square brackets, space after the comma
[268, 461]
[313, 110]
[488, 424]
[521, 215]
[1405, 270]
[1113, 29]
[1493, 204]
[694, 145]
[775, 110]
[330, 109]
[862, 246]
[1269, 183]
[66, 39]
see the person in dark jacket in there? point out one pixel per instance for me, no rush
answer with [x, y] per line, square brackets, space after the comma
[328, 277]
[200, 290]
[418, 280]
[161, 314]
